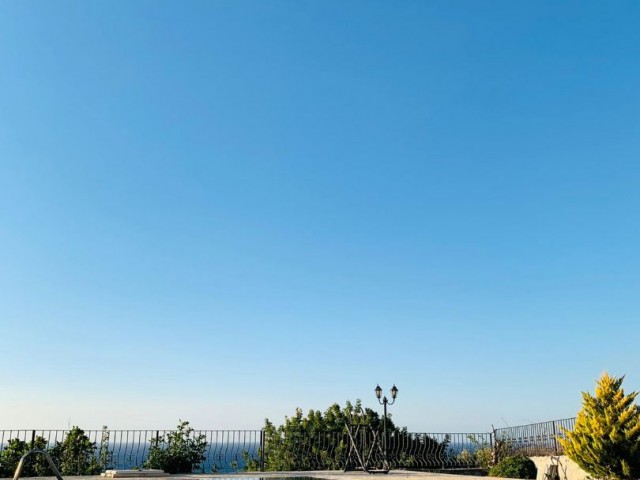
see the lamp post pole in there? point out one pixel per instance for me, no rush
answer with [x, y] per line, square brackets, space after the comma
[384, 402]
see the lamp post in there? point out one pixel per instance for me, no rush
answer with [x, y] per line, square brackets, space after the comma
[384, 402]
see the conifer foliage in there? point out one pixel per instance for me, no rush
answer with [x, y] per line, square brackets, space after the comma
[605, 441]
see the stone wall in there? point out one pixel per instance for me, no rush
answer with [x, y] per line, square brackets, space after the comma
[567, 469]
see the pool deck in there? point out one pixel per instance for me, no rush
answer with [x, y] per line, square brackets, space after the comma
[324, 474]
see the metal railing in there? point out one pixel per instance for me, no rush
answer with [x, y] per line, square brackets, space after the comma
[227, 450]
[237, 450]
[337, 450]
[536, 438]
[425, 451]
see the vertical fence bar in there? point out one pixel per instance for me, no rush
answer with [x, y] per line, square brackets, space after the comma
[262, 448]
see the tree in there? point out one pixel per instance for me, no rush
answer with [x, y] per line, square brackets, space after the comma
[180, 451]
[605, 441]
[317, 441]
[321, 441]
[76, 454]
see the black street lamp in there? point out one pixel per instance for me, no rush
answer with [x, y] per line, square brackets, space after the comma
[385, 402]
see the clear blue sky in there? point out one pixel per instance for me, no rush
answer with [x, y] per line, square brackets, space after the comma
[221, 210]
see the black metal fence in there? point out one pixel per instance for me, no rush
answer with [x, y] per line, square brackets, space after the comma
[322, 450]
[536, 438]
[237, 450]
[427, 451]
[227, 450]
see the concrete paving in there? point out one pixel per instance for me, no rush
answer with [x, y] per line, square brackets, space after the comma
[324, 475]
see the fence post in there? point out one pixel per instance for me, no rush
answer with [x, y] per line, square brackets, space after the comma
[262, 445]
[493, 441]
[555, 439]
[33, 439]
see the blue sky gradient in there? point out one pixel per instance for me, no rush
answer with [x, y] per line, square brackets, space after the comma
[221, 210]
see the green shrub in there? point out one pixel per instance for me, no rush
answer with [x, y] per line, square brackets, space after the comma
[480, 458]
[179, 451]
[76, 454]
[105, 456]
[517, 466]
[35, 465]
[605, 441]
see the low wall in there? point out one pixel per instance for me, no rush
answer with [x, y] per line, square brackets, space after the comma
[567, 468]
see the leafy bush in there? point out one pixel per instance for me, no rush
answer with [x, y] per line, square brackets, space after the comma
[517, 466]
[605, 441]
[14, 450]
[480, 456]
[76, 454]
[105, 456]
[179, 451]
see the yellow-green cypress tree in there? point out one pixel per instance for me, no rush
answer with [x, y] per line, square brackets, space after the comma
[605, 441]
